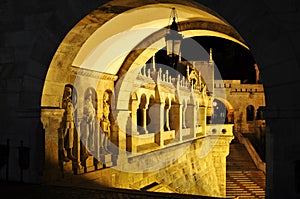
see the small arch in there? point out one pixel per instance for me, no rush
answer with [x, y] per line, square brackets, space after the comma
[219, 112]
[250, 113]
[259, 113]
[167, 114]
[74, 93]
[141, 116]
[225, 112]
[150, 117]
[133, 99]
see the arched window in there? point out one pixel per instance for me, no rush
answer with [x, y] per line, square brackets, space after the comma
[220, 112]
[259, 113]
[167, 115]
[142, 115]
[151, 113]
[174, 115]
[250, 113]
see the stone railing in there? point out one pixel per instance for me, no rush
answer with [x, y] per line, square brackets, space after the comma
[220, 129]
[142, 143]
[261, 165]
[163, 77]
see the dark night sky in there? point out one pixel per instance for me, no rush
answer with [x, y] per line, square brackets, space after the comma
[233, 60]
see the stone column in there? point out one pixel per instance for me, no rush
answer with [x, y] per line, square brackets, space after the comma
[176, 120]
[51, 119]
[134, 107]
[219, 153]
[167, 108]
[54, 167]
[159, 122]
[144, 108]
[183, 115]
[123, 120]
[97, 140]
[193, 120]
[202, 117]
[198, 116]
[144, 119]
[131, 127]
[180, 117]
[76, 165]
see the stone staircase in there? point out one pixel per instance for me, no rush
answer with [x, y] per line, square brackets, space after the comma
[243, 179]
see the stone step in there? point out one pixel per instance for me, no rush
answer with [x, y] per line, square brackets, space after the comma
[243, 179]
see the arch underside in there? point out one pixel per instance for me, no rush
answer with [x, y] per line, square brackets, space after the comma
[134, 42]
[112, 47]
[273, 48]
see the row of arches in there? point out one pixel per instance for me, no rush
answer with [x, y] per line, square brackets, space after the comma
[261, 43]
[221, 114]
[252, 114]
[152, 114]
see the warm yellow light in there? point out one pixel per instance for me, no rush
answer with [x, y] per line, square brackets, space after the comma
[106, 49]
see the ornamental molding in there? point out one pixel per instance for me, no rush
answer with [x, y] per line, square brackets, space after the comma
[93, 74]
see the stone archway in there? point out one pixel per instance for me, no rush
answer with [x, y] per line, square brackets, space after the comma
[229, 117]
[82, 68]
[65, 63]
[271, 44]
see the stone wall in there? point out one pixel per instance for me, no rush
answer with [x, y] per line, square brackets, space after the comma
[240, 96]
[164, 170]
[33, 30]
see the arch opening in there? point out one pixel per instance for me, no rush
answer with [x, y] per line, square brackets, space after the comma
[92, 63]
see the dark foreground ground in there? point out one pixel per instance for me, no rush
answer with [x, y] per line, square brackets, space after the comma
[15, 190]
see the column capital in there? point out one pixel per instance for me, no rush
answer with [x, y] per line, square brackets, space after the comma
[56, 113]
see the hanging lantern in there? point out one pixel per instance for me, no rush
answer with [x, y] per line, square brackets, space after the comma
[173, 41]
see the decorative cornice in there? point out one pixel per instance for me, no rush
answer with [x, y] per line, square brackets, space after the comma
[93, 74]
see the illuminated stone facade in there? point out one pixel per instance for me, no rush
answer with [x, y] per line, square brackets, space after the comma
[244, 103]
[35, 30]
[156, 122]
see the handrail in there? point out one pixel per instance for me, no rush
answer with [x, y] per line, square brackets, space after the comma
[261, 165]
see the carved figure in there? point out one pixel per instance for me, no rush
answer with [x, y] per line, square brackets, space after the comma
[89, 113]
[67, 134]
[105, 122]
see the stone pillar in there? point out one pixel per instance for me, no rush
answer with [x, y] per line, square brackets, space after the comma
[131, 127]
[167, 109]
[219, 152]
[184, 116]
[210, 110]
[97, 140]
[160, 124]
[175, 117]
[144, 119]
[123, 120]
[191, 119]
[180, 117]
[198, 116]
[76, 165]
[202, 117]
[134, 107]
[51, 119]
[55, 169]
